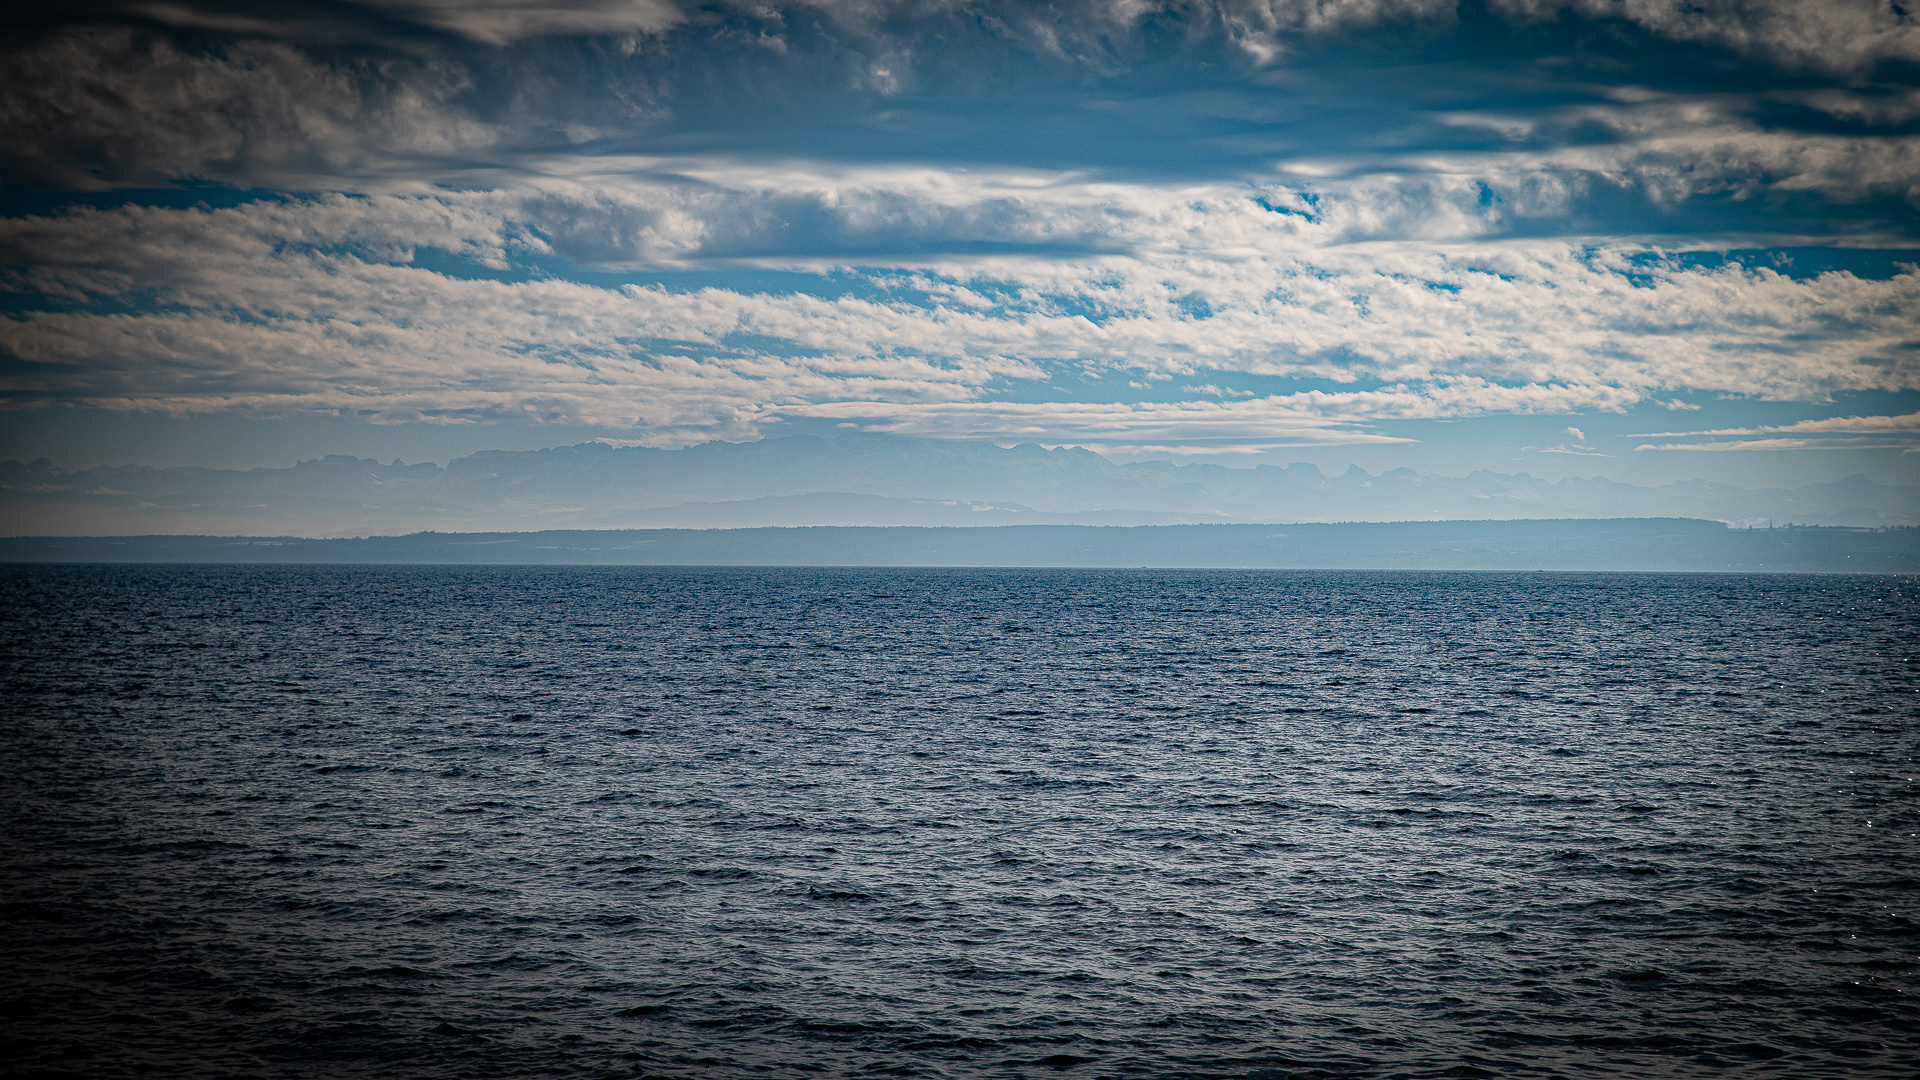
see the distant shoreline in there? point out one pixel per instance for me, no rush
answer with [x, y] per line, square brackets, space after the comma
[1635, 544]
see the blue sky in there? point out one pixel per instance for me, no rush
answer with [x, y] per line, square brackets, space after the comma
[1640, 239]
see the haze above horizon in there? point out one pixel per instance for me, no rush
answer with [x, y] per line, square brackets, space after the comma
[855, 479]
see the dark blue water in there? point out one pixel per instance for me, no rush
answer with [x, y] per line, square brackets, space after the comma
[435, 822]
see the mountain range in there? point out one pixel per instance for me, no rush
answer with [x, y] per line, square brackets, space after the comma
[856, 479]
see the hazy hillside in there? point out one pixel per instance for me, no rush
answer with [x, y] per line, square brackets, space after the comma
[1641, 544]
[854, 480]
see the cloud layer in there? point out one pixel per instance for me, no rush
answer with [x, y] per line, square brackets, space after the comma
[320, 304]
[984, 218]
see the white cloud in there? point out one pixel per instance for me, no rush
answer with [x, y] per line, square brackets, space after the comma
[1826, 433]
[1215, 390]
[1298, 419]
[490, 22]
[499, 22]
[1673, 147]
[1907, 423]
[314, 305]
[1779, 444]
[1265, 29]
[1231, 450]
[1831, 34]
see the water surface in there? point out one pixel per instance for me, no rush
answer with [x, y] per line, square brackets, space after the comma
[488, 822]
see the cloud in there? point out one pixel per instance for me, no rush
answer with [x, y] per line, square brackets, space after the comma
[942, 216]
[1214, 390]
[1825, 433]
[1837, 35]
[1578, 449]
[636, 211]
[316, 305]
[1672, 147]
[1298, 419]
[500, 22]
[1068, 30]
[1780, 444]
[100, 107]
[1907, 423]
[1265, 29]
[1180, 450]
[489, 22]
[1304, 418]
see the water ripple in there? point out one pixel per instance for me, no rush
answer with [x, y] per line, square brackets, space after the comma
[481, 822]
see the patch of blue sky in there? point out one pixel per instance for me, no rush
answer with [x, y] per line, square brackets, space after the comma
[1801, 262]
[1647, 267]
[1704, 215]
[1275, 201]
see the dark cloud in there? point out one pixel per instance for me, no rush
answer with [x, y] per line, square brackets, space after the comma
[100, 106]
[1576, 117]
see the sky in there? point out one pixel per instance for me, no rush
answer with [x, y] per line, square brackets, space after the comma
[1643, 239]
